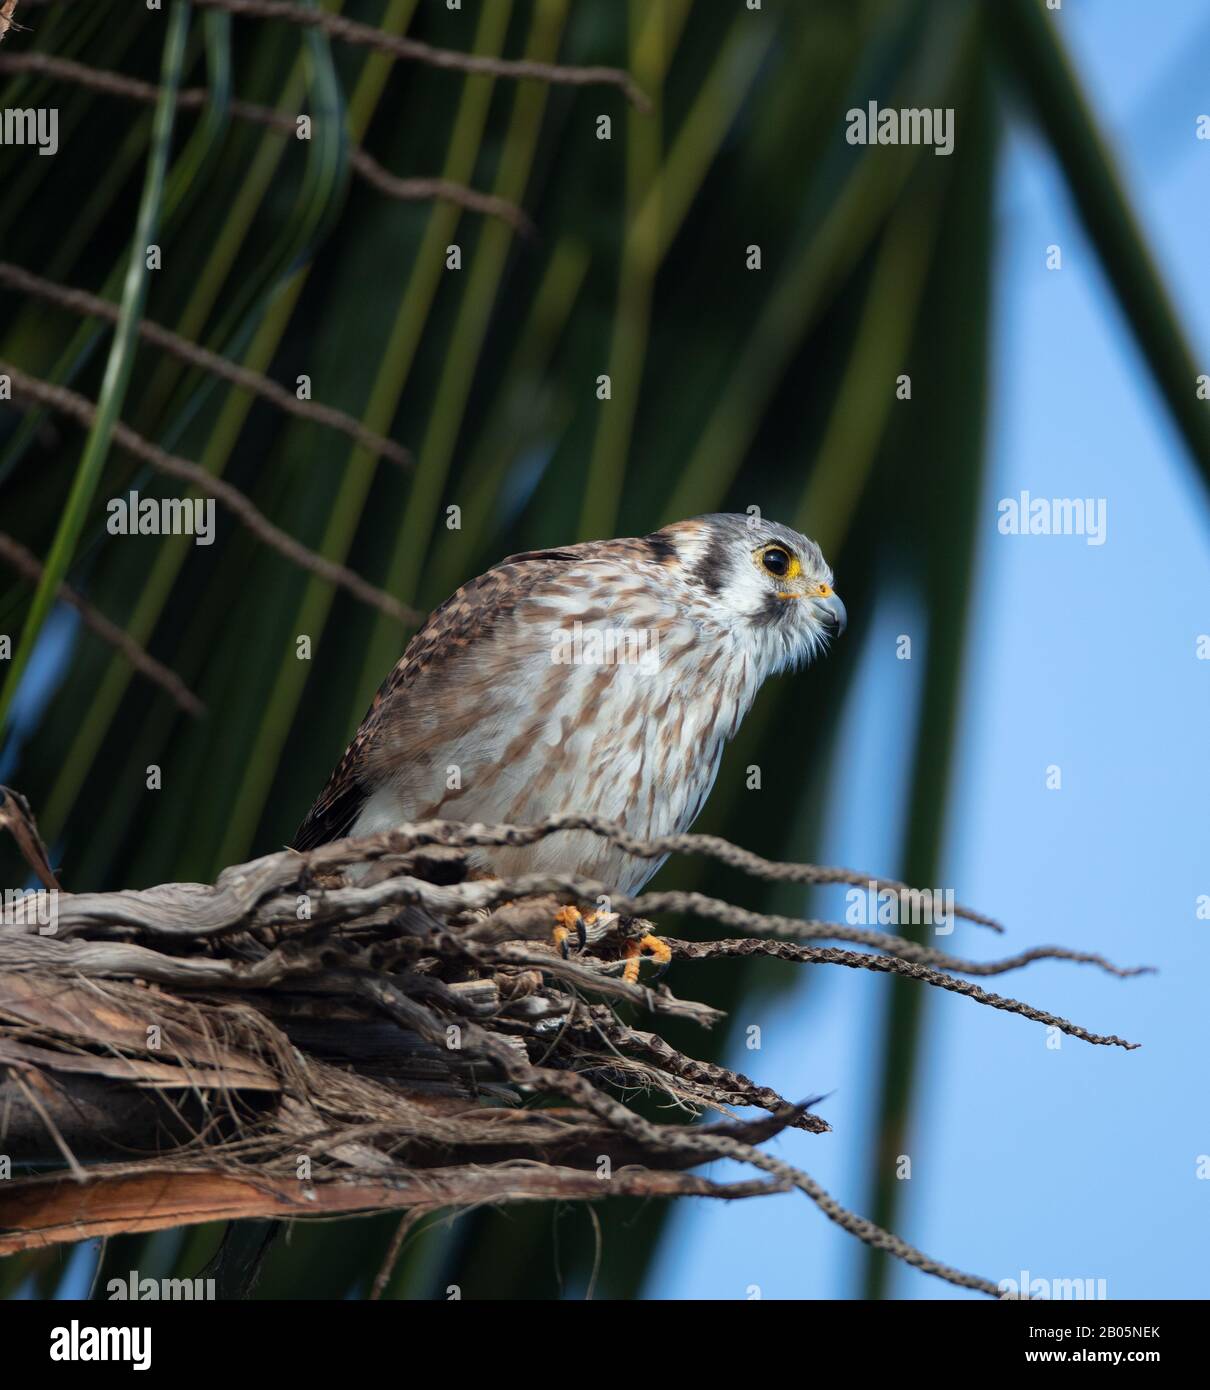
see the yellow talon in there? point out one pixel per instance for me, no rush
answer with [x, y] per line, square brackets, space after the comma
[567, 920]
[632, 953]
[570, 919]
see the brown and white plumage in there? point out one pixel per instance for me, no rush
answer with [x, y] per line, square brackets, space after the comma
[483, 719]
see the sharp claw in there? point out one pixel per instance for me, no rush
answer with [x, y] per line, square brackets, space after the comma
[562, 932]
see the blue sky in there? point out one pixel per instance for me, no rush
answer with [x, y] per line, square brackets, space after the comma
[1081, 1161]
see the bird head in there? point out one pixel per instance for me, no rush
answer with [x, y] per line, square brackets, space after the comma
[764, 576]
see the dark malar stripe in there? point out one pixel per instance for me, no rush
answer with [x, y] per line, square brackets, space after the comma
[715, 564]
[774, 609]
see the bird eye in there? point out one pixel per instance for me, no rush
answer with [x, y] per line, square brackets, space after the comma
[777, 561]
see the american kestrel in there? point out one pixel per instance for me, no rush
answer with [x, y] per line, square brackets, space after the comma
[602, 678]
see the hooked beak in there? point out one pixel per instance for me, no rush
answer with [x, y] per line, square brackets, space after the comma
[831, 612]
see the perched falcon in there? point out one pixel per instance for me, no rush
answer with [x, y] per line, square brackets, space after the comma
[602, 678]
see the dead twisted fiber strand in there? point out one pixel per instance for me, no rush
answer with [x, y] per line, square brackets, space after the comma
[410, 190]
[820, 955]
[361, 35]
[733, 1087]
[418, 190]
[406, 1225]
[456, 833]
[887, 965]
[670, 1139]
[30, 567]
[628, 1076]
[69, 403]
[91, 305]
[728, 914]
